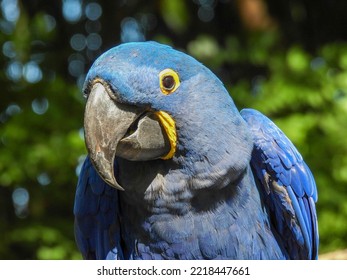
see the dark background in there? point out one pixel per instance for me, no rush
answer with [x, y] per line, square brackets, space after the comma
[285, 58]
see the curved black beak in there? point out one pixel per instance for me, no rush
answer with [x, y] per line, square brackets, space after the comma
[114, 129]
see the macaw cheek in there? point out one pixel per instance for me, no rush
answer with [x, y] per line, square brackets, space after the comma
[149, 141]
[105, 123]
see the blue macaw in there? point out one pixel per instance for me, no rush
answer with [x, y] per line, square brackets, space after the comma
[175, 171]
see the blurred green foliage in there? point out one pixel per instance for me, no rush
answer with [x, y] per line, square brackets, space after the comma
[289, 71]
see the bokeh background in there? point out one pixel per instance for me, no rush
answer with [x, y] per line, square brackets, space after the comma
[286, 58]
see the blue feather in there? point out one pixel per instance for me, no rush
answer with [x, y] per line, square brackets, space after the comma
[235, 188]
[297, 181]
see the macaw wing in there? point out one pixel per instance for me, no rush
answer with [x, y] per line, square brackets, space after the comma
[287, 185]
[97, 229]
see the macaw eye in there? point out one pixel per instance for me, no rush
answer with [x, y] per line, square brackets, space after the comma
[169, 81]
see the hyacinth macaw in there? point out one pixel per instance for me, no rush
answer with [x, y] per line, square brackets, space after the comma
[175, 171]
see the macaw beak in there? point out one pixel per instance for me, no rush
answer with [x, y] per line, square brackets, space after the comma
[114, 129]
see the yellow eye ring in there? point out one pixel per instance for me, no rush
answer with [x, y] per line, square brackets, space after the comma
[169, 81]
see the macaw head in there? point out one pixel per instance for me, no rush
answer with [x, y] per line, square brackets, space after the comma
[147, 101]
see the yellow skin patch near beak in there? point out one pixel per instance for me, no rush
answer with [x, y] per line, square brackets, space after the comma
[170, 128]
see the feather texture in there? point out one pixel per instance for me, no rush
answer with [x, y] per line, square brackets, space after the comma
[287, 185]
[235, 187]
